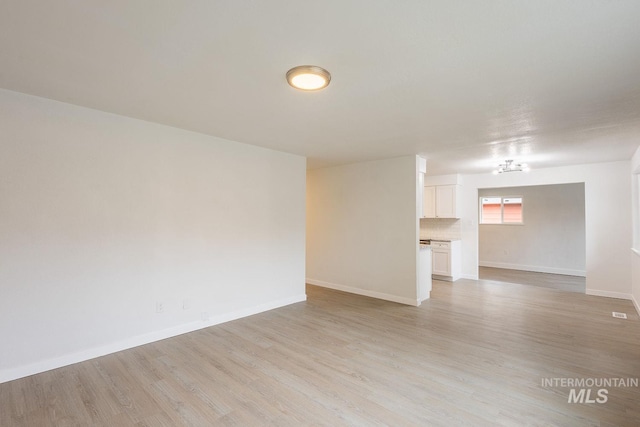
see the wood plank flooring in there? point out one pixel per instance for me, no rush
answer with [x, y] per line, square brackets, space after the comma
[474, 354]
[545, 280]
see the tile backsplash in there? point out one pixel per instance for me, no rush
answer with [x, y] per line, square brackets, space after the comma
[440, 228]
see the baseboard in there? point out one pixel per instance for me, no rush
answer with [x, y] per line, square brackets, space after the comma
[81, 356]
[364, 292]
[609, 294]
[633, 285]
[534, 268]
[469, 276]
[635, 304]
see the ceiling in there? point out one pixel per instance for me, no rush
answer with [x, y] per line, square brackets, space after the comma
[466, 84]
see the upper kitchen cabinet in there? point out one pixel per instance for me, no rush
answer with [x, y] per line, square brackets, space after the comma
[441, 201]
[429, 202]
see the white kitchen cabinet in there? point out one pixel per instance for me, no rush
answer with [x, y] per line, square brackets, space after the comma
[446, 201]
[441, 201]
[446, 260]
[429, 203]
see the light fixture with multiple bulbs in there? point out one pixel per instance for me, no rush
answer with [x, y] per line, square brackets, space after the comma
[510, 166]
[308, 77]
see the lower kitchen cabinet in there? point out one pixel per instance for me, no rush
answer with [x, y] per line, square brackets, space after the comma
[446, 260]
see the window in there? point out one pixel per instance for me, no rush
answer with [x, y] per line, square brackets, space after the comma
[491, 212]
[501, 210]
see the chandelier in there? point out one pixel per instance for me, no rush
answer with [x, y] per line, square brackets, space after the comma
[510, 166]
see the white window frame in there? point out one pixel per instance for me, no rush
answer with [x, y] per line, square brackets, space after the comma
[502, 203]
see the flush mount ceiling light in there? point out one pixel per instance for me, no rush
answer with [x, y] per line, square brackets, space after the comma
[510, 166]
[308, 77]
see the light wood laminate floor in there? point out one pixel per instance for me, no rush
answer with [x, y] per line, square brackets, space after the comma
[475, 354]
[560, 282]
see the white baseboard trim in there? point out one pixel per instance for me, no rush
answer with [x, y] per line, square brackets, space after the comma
[534, 268]
[81, 356]
[365, 292]
[608, 294]
[469, 276]
[635, 304]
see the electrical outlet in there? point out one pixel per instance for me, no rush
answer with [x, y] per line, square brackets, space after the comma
[160, 307]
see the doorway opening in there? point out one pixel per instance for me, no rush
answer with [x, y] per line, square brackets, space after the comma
[545, 247]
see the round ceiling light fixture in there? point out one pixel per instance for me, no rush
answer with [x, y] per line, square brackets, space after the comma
[308, 77]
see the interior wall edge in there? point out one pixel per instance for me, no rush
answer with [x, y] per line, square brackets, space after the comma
[635, 304]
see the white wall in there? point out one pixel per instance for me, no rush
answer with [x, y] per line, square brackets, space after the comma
[551, 238]
[103, 216]
[362, 228]
[607, 219]
[635, 257]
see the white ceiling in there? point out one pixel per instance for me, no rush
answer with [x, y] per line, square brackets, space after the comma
[464, 83]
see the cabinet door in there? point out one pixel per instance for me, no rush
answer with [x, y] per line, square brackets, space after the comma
[429, 202]
[446, 201]
[441, 264]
